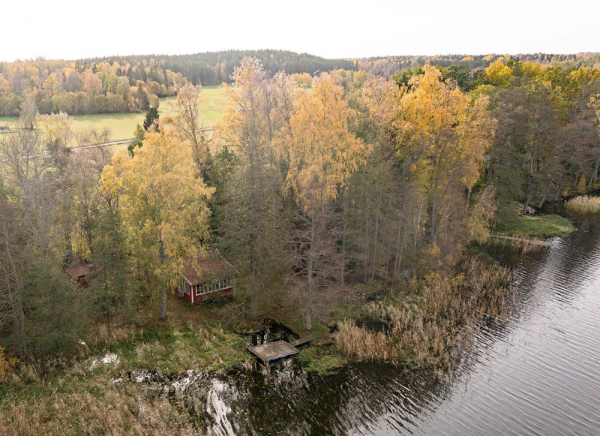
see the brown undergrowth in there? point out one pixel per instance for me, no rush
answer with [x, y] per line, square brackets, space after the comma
[94, 407]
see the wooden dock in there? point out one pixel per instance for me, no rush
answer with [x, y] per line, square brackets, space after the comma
[279, 349]
[304, 340]
[273, 351]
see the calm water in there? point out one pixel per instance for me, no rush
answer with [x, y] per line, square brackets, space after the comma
[538, 373]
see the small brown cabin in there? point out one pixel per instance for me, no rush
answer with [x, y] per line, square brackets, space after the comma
[208, 275]
[80, 273]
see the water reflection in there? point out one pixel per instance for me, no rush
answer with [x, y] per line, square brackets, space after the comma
[538, 373]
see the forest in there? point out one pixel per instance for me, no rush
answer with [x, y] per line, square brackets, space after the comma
[121, 84]
[132, 83]
[320, 196]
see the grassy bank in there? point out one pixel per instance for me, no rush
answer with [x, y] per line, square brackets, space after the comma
[100, 392]
[536, 226]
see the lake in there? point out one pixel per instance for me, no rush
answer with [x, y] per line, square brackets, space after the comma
[535, 373]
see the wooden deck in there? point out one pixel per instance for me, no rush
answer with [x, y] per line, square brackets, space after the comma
[280, 349]
[273, 350]
[304, 340]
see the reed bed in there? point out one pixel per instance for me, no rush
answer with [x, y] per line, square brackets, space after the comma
[520, 245]
[430, 327]
[583, 205]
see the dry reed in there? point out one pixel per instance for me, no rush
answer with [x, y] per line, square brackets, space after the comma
[583, 205]
[108, 411]
[429, 327]
[521, 245]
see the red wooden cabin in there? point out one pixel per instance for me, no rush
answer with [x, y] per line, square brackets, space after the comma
[207, 276]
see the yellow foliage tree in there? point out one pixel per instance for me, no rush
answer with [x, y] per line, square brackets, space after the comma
[323, 153]
[164, 205]
[4, 86]
[499, 74]
[55, 129]
[51, 84]
[447, 134]
[186, 111]
[254, 125]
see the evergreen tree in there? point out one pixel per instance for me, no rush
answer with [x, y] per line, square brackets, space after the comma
[151, 117]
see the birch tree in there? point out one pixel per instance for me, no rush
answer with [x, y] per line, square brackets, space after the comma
[164, 206]
[449, 133]
[323, 154]
[254, 222]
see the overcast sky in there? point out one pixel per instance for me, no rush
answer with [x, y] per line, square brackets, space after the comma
[73, 29]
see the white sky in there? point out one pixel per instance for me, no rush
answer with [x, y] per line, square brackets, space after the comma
[73, 29]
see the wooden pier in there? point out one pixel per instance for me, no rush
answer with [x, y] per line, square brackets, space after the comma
[279, 349]
[273, 351]
[304, 340]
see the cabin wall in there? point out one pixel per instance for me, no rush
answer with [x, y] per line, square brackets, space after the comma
[221, 293]
[191, 296]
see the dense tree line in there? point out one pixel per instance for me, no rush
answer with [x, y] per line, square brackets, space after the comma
[390, 65]
[120, 84]
[214, 68]
[75, 88]
[307, 192]
[132, 83]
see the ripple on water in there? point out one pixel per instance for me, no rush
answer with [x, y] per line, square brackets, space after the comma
[537, 373]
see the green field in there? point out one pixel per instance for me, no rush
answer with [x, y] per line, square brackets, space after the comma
[122, 126]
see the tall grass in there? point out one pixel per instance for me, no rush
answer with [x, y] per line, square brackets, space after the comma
[430, 326]
[583, 205]
[95, 408]
[98, 393]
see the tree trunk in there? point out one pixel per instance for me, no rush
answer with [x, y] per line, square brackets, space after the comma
[310, 272]
[344, 209]
[253, 235]
[543, 199]
[253, 301]
[594, 174]
[433, 201]
[16, 293]
[528, 194]
[418, 229]
[376, 232]
[468, 202]
[562, 176]
[163, 306]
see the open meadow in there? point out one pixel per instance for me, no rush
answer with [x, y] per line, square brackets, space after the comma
[122, 126]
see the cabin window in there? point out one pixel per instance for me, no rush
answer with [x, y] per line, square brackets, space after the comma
[187, 288]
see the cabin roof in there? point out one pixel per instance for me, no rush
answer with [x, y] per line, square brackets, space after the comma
[207, 267]
[81, 270]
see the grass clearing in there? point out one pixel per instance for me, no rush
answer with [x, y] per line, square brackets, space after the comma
[122, 126]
